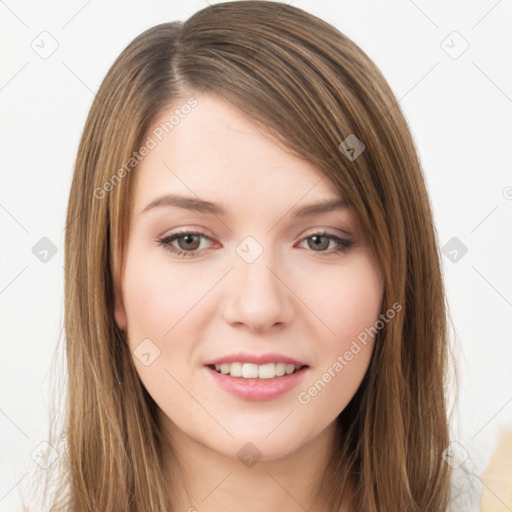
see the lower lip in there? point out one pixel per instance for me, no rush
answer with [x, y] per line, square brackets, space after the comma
[258, 389]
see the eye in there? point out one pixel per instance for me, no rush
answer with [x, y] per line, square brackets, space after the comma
[189, 243]
[322, 241]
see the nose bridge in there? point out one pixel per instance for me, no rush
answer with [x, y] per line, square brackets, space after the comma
[257, 296]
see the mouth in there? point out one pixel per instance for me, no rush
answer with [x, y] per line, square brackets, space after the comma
[248, 381]
[245, 371]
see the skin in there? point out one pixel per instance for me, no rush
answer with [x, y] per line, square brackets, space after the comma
[295, 299]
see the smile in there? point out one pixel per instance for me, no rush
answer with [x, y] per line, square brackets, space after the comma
[255, 371]
[257, 388]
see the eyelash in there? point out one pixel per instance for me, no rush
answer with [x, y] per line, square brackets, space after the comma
[343, 245]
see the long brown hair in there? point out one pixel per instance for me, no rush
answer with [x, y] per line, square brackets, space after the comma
[310, 87]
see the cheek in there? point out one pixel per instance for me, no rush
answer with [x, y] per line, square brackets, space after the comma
[349, 306]
[158, 295]
[346, 299]
[160, 302]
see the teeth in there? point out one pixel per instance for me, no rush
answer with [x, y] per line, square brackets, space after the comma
[250, 371]
[281, 369]
[253, 371]
[235, 369]
[266, 371]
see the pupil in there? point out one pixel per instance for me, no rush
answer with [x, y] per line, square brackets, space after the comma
[187, 241]
[321, 245]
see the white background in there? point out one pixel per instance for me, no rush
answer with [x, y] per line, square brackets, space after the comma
[460, 113]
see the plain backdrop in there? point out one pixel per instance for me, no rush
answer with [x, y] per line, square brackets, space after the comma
[449, 64]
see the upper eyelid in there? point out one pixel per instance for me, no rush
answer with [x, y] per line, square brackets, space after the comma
[318, 231]
[341, 233]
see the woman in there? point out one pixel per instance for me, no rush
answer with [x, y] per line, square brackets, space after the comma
[255, 314]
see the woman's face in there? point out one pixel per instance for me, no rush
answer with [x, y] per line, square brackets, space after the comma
[260, 279]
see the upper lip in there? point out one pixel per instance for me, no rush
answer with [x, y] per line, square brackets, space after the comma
[259, 359]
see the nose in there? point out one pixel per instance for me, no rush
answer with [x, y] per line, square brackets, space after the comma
[257, 295]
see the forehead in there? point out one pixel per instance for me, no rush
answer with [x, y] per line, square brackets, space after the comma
[216, 152]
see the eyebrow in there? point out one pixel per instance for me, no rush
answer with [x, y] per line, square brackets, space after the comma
[208, 207]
